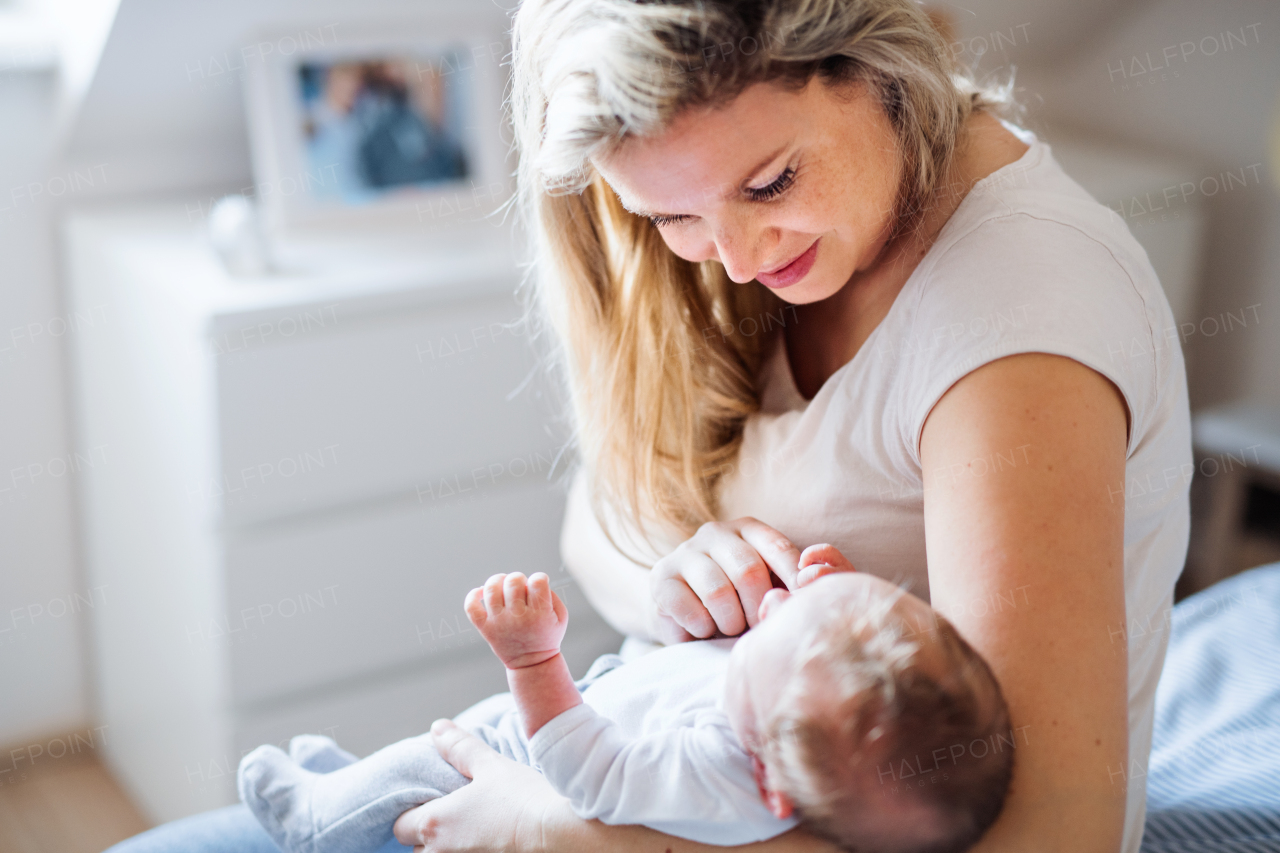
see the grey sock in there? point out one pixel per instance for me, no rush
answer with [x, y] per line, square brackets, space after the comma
[350, 808]
[319, 754]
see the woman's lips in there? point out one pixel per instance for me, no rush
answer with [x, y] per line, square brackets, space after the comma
[792, 272]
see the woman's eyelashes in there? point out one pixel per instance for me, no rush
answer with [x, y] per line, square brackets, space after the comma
[774, 188]
[770, 191]
[662, 219]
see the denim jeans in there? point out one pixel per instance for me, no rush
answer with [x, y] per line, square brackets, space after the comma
[229, 830]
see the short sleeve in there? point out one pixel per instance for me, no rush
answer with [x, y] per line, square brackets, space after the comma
[1021, 284]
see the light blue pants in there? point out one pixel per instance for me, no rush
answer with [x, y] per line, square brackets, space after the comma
[229, 830]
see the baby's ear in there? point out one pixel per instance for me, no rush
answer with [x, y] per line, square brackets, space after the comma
[779, 803]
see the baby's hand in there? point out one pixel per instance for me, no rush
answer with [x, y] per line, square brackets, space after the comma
[523, 624]
[819, 560]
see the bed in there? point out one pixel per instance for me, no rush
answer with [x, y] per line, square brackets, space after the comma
[1213, 782]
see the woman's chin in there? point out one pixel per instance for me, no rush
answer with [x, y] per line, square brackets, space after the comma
[812, 288]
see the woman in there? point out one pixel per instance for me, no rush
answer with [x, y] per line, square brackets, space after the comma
[807, 287]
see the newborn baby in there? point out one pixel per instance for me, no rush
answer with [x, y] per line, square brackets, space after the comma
[850, 707]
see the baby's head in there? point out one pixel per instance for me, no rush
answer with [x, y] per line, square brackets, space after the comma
[867, 714]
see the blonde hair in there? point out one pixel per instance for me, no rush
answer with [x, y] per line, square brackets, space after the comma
[659, 392]
[858, 697]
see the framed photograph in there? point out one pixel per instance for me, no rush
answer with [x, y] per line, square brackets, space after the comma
[400, 126]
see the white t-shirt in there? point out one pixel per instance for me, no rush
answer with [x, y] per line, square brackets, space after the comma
[1029, 262]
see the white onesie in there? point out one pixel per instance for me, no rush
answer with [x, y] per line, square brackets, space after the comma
[651, 745]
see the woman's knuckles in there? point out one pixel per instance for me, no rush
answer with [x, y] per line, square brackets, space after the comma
[721, 594]
[750, 573]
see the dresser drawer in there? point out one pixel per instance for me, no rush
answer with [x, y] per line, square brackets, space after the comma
[356, 409]
[326, 600]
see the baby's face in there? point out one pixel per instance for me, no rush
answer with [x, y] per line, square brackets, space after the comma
[766, 657]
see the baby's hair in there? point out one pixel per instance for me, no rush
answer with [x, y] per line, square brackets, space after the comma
[862, 730]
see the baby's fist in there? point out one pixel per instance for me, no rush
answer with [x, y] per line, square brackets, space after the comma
[819, 560]
[522, 620]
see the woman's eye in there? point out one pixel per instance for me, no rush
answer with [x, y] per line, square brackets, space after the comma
[777, 187]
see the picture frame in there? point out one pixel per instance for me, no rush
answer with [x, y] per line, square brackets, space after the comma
[397, 126]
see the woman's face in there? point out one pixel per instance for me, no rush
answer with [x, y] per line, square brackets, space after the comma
[795, 189]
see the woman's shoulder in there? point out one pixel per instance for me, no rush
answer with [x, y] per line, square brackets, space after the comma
[1031, 263]
[1029, 236]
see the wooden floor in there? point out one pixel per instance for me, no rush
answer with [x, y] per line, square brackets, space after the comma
[64, 805]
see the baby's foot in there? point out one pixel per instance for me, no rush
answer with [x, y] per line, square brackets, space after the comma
[278, 792]
[352, 807]
[319, 754]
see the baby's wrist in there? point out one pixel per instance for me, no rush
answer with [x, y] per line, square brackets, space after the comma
[543, 691]
[529, 660]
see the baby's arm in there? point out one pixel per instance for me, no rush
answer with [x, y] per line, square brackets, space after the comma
[524, 622]
[694, 781]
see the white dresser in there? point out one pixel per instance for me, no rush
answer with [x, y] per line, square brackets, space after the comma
[301, 478]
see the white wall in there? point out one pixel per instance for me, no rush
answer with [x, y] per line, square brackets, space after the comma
[1212, 108]
[1216, 101]
[41, 678]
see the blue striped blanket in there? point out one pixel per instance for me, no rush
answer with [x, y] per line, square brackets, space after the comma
[1213, 783]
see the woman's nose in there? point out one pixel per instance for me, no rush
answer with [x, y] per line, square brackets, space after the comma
[739, 247]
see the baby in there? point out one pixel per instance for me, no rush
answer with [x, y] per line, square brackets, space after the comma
[851, 707]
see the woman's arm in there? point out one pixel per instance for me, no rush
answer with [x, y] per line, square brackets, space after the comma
[617, 587]
[1028, 563]
[511, 807]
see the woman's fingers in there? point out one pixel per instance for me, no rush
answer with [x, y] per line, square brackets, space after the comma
[668, 631]
[459, 747]
[408, 829]
[673, 596]
[502, 809]
[782, 557]
[747, 571]
[717, 594]
[717, 579]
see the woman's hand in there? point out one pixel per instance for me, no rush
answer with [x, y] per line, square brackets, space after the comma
[504, 807]
[715, 580]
